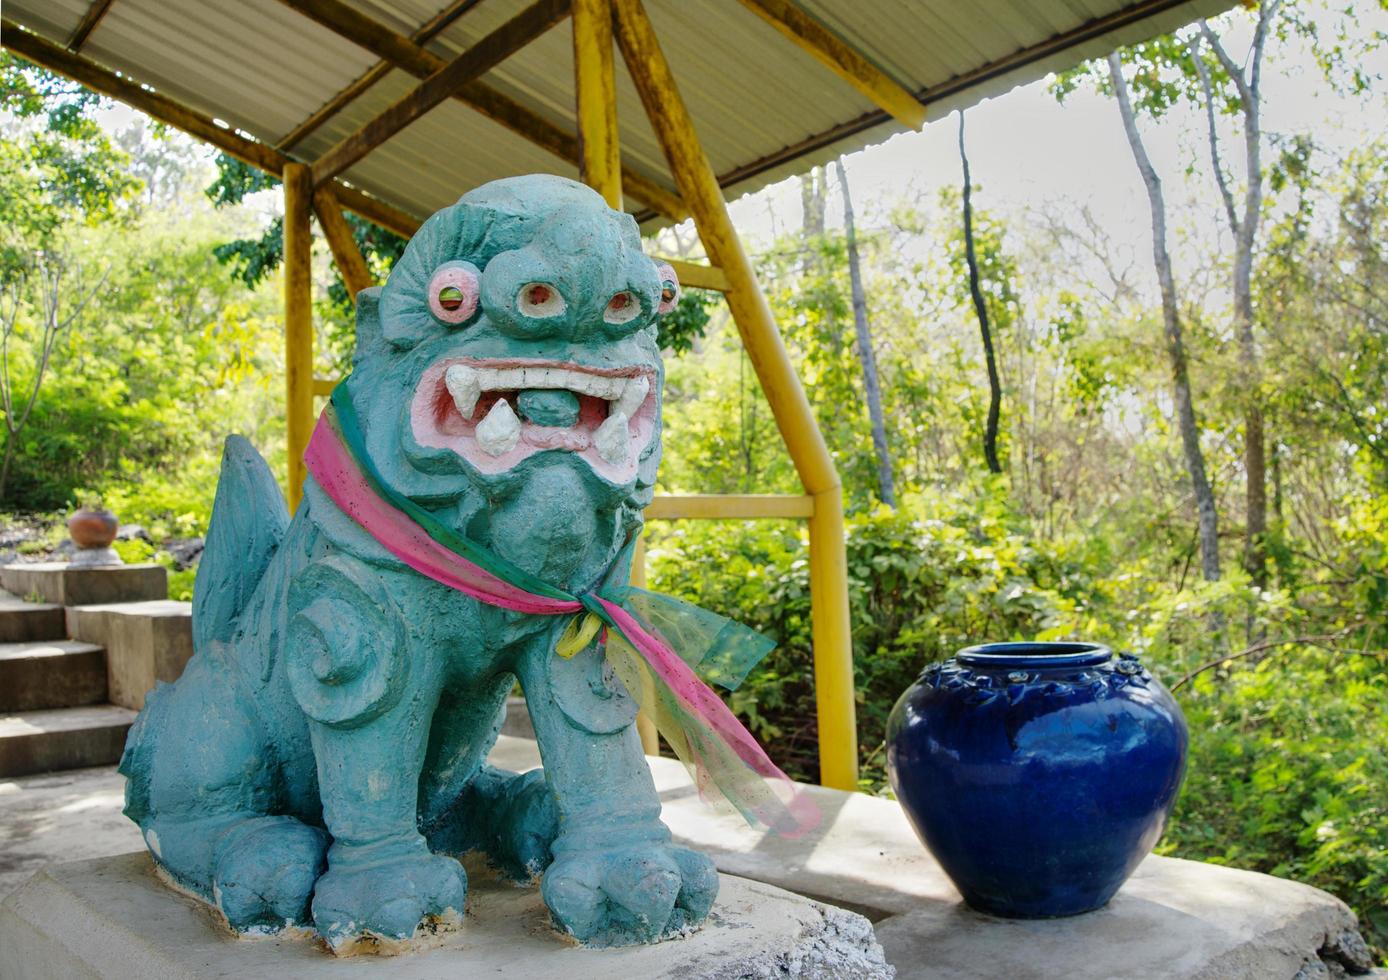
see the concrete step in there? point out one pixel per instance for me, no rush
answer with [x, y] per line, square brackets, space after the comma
[21, 622]
[69, 585]
[56, 674]
[145, 642]
[62, 738]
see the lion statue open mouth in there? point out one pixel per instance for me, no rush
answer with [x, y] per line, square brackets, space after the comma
[475, 487]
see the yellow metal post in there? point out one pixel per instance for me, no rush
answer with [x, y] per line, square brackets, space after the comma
[833, 648]
[298, 322]
[595, 86]
[351, 264]
[600, 166]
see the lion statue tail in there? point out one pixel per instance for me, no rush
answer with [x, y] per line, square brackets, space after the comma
[249, 520]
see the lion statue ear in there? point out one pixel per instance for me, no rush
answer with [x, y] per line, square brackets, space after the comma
[455, 234]
[369, 338]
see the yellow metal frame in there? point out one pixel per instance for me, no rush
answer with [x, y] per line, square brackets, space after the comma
[298, 322]
[833, 644]
[595, 25]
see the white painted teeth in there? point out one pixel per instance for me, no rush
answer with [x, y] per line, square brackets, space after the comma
[499, 432]
[511, 379]
[465, 386]
[612, 438]
[633, 396]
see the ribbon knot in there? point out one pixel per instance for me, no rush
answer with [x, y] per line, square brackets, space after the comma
[578, 634]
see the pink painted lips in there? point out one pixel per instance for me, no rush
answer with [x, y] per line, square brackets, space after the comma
[470, 406]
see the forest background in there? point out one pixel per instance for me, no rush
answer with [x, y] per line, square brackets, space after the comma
[1044, 430]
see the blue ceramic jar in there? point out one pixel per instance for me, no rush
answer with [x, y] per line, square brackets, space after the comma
[1038, 774]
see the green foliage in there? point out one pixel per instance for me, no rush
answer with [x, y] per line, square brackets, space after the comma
[679, 329]
[65, 170]
[253, 259]
[146, 388]
[236, 181]
[1289, 775]
[1161, 75]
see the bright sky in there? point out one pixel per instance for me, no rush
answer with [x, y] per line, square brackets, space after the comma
[1025, 149]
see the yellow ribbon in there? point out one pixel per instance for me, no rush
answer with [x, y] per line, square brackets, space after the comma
[578, 634]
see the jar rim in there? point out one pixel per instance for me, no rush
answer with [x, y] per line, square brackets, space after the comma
[1034, 653]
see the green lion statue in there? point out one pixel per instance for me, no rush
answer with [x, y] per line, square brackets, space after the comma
[475, 488]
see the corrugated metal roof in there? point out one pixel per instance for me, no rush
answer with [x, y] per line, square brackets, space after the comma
[764, 108]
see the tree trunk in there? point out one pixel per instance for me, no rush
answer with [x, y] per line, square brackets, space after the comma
[5, 467]
[1277, 486]
[990, 431]
[1207, 518]
[885, 483]
[1245, 231]
[812, 201]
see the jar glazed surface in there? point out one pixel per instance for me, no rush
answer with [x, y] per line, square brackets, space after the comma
[1038, 774]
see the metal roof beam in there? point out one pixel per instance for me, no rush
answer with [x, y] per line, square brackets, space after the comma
[88, 24]
[380, 40]
[1088, 31]
[356, 275]
[429, 30]
[159, 106]
[403, 53]
[810, 35]
[831, 625]
[469, 66]
[348, 23]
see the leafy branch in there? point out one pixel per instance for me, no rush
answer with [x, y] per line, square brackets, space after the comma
[1323, 640]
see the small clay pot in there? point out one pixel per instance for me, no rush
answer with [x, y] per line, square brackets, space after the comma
[92, 528]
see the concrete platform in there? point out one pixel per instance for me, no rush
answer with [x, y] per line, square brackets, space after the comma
[64, 585]
[110, 917]
[62, 738]
[27, 622]
[517, 723]
[145, 642]
[51, 674]
[1173, 919]
[61, 816]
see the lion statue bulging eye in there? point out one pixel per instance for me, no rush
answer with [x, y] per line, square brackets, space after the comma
[669, 288]
[540, 301]
[453, 291]
[622, 308]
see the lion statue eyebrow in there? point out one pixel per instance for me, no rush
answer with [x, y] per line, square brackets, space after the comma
[475, 486]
